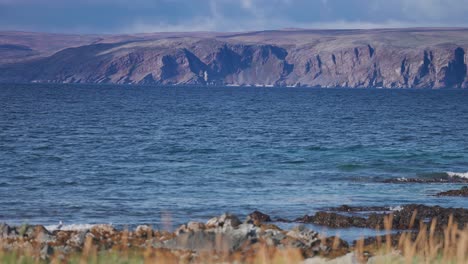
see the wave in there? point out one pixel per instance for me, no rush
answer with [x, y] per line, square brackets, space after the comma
[442, 177]
[396, 208]
[70, 227]
[458, 174]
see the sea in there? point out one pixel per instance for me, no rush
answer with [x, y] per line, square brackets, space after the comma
[131, 155]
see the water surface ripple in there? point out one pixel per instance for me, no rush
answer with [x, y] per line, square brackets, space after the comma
[128, 155]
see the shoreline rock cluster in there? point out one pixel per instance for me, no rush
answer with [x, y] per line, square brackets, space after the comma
[226, 234]
[406, 217]
[463, 192]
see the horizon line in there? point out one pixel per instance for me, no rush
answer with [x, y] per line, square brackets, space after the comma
[240, 32]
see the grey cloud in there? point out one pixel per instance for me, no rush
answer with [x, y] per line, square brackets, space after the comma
[114, 16]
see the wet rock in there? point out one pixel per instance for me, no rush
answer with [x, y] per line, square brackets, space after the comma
[463, 192]
[347, 208]
[258, 217]
[426, 213]
[402, 219]
[337, 221]
[333, 220]
[282, 220]
[333, 247]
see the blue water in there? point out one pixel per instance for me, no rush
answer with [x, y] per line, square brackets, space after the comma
[131, 155]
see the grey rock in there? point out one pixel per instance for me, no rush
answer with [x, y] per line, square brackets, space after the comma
[224, 222]
[7, 231]
[143, 231]
[195, 226]
[218, 238]
[303, 234]
[77, 240]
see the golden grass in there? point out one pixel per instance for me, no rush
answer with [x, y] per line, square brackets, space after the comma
[425, 246]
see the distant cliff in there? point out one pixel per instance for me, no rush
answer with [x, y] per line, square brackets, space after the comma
[389, 58]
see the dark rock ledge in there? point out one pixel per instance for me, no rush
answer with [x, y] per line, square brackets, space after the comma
[402, 218]
[463, 192]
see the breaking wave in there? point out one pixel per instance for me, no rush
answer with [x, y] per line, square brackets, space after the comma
[458, 174]
[70, 227]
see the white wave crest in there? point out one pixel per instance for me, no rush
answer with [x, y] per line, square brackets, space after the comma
[71, 227]
[402, 179]
[458, 174]
[396, 208]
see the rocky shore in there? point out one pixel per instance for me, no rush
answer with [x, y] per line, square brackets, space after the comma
[405, 217]
[227, 235]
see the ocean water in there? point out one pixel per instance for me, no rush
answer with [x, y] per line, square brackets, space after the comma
[164, 155]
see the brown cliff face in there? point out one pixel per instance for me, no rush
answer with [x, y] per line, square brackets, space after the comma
[392, 58]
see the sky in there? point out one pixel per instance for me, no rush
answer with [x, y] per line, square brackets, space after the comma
[137, 16]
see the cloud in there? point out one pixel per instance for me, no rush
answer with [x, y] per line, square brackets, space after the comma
[118, 16]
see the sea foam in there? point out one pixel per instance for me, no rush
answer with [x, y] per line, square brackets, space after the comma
[70, 227]
[458, 174]
[396, 208]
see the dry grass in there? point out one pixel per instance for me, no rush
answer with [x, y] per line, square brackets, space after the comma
[425, 246]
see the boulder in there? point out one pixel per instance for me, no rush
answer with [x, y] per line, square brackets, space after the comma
[195, 226]
[258, 217]
[46, 252]
[306, 236]
[78, 239]
[223, 234]
[223, 222]
[7, 231]
[144, 231]
[103, 231]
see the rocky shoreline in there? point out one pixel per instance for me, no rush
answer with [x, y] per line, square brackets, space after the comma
[228, 235]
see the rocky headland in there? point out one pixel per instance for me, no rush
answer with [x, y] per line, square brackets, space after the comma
[381, 58]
